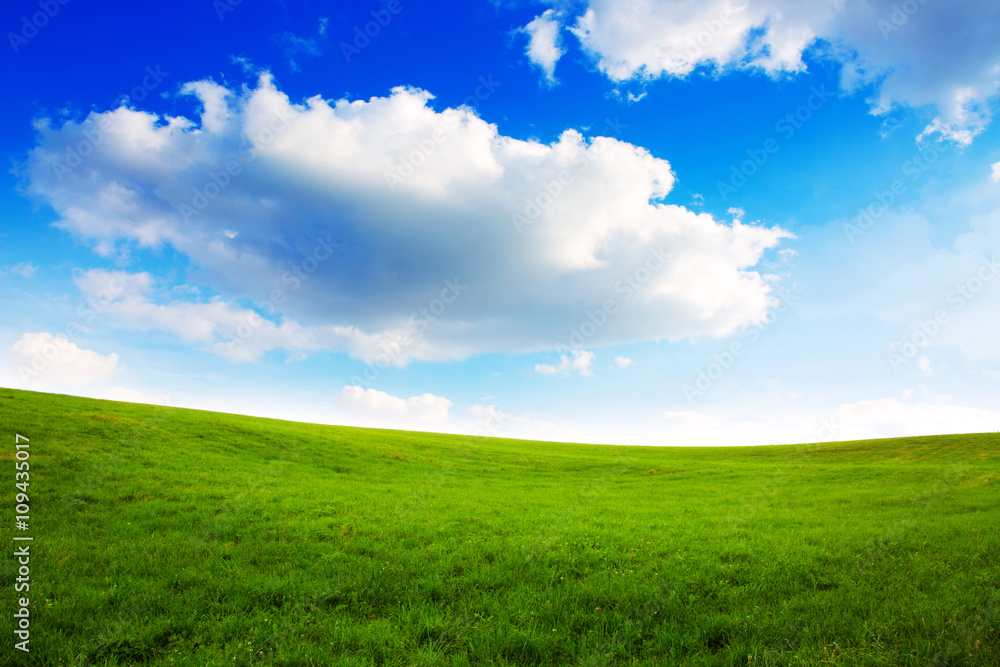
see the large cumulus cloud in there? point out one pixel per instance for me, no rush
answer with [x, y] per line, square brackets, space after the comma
[388, 216]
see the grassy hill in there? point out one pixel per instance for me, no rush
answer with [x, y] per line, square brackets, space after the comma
[179, 537]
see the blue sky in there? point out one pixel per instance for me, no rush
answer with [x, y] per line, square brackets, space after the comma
[674, 223]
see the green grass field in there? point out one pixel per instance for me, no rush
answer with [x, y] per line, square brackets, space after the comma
[178, 537]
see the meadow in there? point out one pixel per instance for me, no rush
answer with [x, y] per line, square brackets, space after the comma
[166, 536]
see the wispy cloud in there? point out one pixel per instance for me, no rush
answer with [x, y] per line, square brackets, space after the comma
[579, 361]
[623, 362]
[24, 269]
[298, 47]
[544, 43]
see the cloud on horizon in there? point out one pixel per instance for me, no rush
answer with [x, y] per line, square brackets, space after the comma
[43, 360]
[420, 412]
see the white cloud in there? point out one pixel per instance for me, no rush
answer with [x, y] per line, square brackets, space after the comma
[996, 172]
[43, 362]
[687, 420]
[41, 359]
[235, 332]
[577, 360]
[690, 428]
[877, 43]
[128, 395]
[215, 111]
[544, 48]
[890, 417]
[931, 414]
[736, 212]
[489, 420]
[623, 362]
[648, 39]
[372, 407]
[355, 213]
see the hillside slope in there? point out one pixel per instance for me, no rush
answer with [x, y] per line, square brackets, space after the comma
[166, 536]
